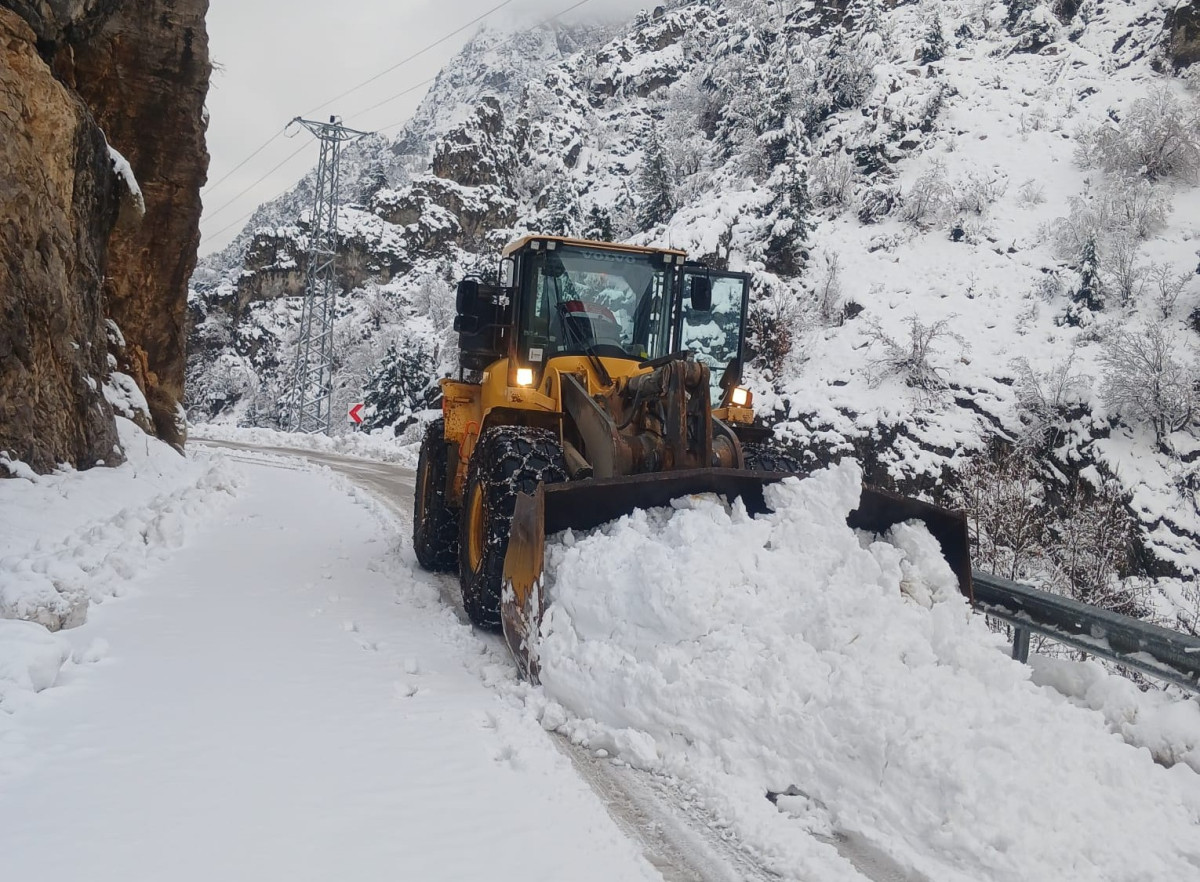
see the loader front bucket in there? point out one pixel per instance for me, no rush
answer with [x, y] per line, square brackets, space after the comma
[583, 505]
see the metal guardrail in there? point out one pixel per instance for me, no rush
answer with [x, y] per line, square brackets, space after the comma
[1158, 652]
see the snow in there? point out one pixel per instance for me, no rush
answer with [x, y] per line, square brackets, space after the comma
[788, 654]
[71, 539]
[280, 682]
[283, 699]
[125, 171]
[30, 659]
[380, 445]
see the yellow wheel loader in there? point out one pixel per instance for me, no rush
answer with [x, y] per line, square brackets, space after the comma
[596, 379]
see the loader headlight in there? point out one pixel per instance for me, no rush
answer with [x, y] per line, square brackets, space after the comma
[524, 376]
[740, 396]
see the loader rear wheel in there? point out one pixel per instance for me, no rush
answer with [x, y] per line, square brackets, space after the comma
[768, 458]
[507, 460]
[435, 532]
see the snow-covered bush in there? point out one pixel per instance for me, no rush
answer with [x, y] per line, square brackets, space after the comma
[1048, 402]
[923, 202]
[1003, 502]
[1159, 138]
[1148, 380]
[1166, 286]
[975, 191]
[827, 290]
[1088, 545]
[831, 179]
[913, 359]
[1124, 277]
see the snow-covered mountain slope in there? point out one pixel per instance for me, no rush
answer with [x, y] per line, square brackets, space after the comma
[972, 228]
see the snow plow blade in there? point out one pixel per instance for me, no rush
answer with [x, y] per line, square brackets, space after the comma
[586, 504]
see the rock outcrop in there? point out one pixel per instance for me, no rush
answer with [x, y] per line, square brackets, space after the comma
[75, 73]
[58, 204]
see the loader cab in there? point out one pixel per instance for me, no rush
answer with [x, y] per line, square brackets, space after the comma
[559, 297]
[576, 298]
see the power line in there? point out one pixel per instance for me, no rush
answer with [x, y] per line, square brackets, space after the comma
[290, 157]
[400, 94]
[231, 172]
[416, 54]
[400, 63]
[404, 92]
[375, 106]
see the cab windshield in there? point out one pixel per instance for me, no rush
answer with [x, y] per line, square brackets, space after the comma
[576, 299]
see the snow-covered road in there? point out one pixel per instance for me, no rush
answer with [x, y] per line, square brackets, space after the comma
[275, 704]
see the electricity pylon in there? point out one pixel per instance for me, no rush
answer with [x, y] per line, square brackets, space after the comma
[312, 383]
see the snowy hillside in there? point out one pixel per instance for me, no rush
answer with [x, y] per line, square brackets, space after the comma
[972, 228]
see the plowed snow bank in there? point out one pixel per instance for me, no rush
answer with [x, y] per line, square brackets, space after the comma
[789, 654]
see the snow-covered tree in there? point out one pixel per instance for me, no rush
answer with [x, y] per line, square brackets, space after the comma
[561, 215]
[395, 392]
[656, 201]
[933, 39]
[1088, 295]
[599, 224]
[1148, 380]
[786, 248]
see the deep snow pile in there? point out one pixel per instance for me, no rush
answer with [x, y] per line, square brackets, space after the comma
[788, 654]
[71, 538]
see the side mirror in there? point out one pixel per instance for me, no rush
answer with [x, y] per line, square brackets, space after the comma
[467, 324]
[467, 296]
[701, 294]
[508, 272]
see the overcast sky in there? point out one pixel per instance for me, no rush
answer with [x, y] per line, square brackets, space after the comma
[275, 60]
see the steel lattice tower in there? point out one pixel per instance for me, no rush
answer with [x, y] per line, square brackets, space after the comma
[312, 383]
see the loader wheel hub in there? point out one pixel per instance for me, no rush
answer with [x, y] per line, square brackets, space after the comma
[476, 530]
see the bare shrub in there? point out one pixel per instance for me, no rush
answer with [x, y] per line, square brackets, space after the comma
[831, 179]
[1122, 207]
[1031, 193]
[912, 359]
[975, 191]
[1121, 273]
[1045, 401]
[1089, 543]
[828, 291]
[1146, 382]
[1159, 138]
[1004, 504]
[1166, 287]
[927, 197]
[773, 323]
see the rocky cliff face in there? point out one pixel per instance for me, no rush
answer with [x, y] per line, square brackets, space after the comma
[145, 75]
[58, 204]
[75, 74]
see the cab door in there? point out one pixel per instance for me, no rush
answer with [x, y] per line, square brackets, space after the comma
[716, 336]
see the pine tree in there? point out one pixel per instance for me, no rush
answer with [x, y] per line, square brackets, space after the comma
[933, 43]
[599, 225]
[395, 391]
[562, 211]
[656, 201]
[1088, 296]
[787, 245]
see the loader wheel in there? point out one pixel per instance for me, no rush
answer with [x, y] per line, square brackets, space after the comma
[507, 460]
[435, 530]
[767, 458]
